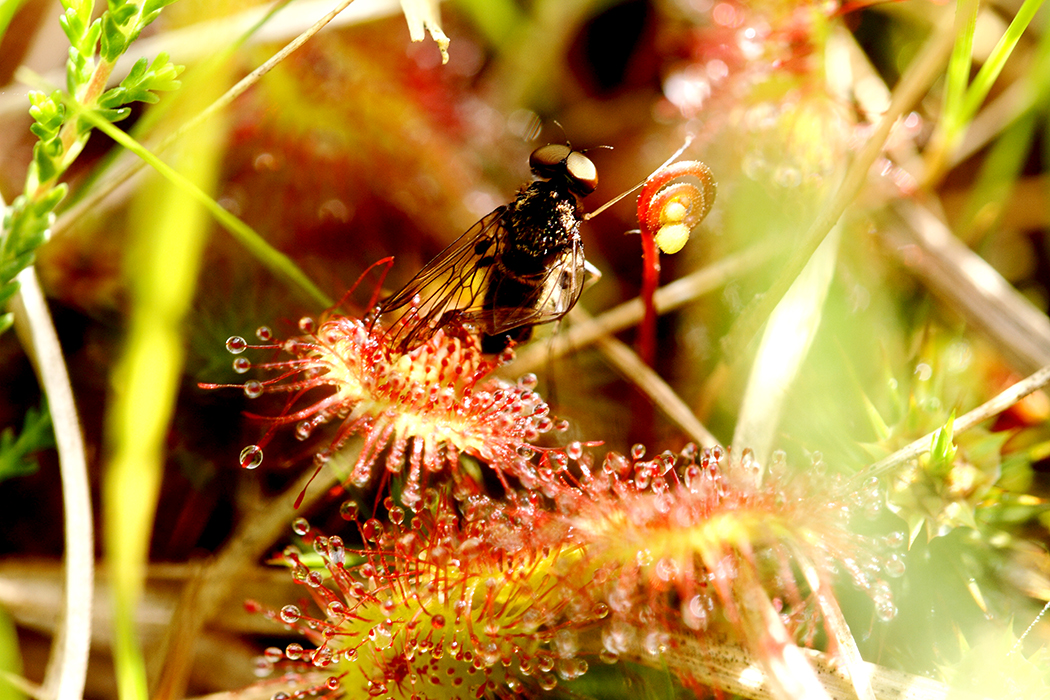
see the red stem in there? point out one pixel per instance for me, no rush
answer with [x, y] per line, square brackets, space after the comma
[655, 195]
[646, 342]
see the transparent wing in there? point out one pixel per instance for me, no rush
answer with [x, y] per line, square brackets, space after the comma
[516, 301]
[454, 282]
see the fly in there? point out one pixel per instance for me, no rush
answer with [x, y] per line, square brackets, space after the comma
[519, 266]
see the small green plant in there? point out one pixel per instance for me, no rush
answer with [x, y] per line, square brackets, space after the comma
[94, 48]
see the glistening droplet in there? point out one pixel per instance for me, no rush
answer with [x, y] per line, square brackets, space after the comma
[251, 457]
[235, 345]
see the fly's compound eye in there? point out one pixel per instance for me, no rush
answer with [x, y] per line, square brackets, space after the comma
[556, 159]
[583, 176]
[549, 160]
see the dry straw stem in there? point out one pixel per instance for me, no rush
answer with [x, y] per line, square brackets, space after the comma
[969, 285]
[67, 667]
[736, 671]
[586, 331]
[916, 81]
[642, 375]
[31, 592]
[203, 597]
[265, 691]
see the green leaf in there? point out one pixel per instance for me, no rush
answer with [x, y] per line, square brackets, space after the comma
[16, 453]
[8, 9]
[44, 162]
[985, 77]
[90, 40]
[112, 98]
[6, 320]
[71, 26]
[76, 19]
[137, 72]
[49, 201]
[17, 262]
[7, 291]
[942, 448]
[114, 115]
[113, 41]
[152, 7]
[141, 82]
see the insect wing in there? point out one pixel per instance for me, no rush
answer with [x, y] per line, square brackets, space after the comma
[454, 281]
[548, 299]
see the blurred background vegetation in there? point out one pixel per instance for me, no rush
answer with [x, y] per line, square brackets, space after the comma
[362, 144]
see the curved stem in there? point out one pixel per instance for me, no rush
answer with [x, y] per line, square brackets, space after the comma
[67, 668]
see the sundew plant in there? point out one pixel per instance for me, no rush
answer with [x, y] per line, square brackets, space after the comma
[790, 442]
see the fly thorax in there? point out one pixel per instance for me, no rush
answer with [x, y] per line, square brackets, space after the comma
[542, 223]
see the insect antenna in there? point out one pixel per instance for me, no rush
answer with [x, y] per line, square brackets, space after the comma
[617, 198]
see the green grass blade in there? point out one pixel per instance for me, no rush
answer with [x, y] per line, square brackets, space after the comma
[982, 84]
[269, 256]
[958, 73]
[8, 9]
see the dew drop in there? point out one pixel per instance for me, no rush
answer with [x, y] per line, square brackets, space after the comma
[300, 526]
[307, 325]
[614, 464]
[332, 683]
[655, 642]
[253, 388]
[561, 425]
[251, 457]
[885, 610]
[574, 450]
[895, 540]
[372, 529]
[895, 565]
[235, 345]
[528, 381]
[264, 334]
[787, 176]
[566, 642]
[437, 621]
[753, 164]
[349, 510]
[336, 550]
[261, 667]
[290, 614]
[241, 365]
[637, 451]
[694, 613]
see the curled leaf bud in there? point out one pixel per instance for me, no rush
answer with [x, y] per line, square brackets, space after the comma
[669, 211]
